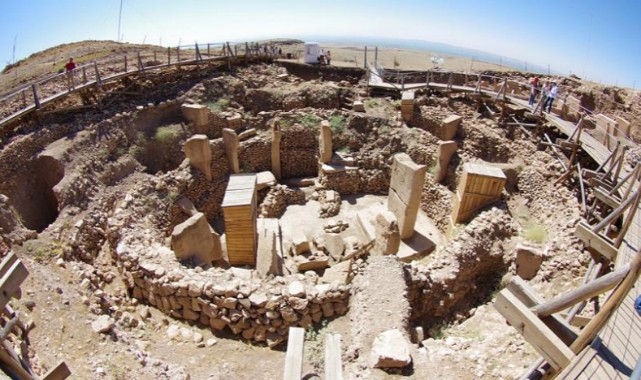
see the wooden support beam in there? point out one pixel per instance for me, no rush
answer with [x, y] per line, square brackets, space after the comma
[59, 372]
[585, 292]
[584, 205]
[12, 274]
[596, 241]
[616, 297]
[544, 341]
[604, 197]
[36, 99]
[294, 356]
[9, 358]
[576, 320]
[333, 362]
[628, 219]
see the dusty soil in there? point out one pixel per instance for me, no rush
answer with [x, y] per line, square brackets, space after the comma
[115, 173]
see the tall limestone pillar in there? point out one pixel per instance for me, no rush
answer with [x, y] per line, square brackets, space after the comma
[230, 138]
[198, 151]
[325, 142]
[445, 151]
[404, 198]
[276, 137]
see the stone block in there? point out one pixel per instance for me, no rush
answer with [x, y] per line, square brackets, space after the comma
[264, 180]
[334, 245]
[300, 244]
[193, 238]
[528, 261]
[390, 350]
[388, 238]
[358, 106]
[364, 226]
[325, 142]
[445, 151]
[234, 122]
[269, 259]
[247, 134]
[198, 151]
[311, 262]
[449, 127]
[341, 272]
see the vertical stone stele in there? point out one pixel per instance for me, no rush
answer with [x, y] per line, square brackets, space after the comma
[230, 138]
[404, 198]
[445, 151]
[325, 142]
[198, 151]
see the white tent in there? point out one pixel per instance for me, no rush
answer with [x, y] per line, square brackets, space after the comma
[312, 51]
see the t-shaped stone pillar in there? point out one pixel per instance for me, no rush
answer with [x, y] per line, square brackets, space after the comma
[445, 151]
[230, 138]
[404, 198]
[407, 105]
[449, 127]
[325, 142]
[198, 151]
[276, 137]
[198, 114]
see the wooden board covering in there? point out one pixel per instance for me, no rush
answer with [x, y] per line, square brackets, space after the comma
[239, 211]
[482, 179]
[294, 356]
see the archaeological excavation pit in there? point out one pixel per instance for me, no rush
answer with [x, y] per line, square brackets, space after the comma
[261, 201]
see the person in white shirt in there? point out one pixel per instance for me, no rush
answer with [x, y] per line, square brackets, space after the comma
[551, 96]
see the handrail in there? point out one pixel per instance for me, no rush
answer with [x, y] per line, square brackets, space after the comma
[25, 98]
[400, 78]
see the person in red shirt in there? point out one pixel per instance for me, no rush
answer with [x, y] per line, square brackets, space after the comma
[69, 68]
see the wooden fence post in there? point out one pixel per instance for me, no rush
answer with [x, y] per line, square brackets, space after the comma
[365, 60]
[84, 74]
[98, 80]
[168, 56]
[35, 95]
[141, 66]
[125, 63]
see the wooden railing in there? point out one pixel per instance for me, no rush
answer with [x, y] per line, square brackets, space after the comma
[32, 96]
[465, 81]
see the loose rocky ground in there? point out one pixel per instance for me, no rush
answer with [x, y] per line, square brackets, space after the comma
[122, 176]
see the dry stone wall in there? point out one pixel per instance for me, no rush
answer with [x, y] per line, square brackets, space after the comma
[463, 272]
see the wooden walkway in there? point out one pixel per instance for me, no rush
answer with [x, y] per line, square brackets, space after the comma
[617, 349]
[28, 95]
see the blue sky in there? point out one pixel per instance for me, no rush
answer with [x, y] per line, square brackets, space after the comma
[599, 40]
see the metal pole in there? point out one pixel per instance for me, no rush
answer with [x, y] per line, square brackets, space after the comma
[376, 56]
[119, 19]
[365, 61]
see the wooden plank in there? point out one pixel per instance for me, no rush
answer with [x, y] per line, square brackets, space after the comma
[59, 372]
[294, 356]
[577, 320]
[11, 281]
[585, 292]
[544, 341]
[579, 364]
[333, 362]
[596, 241]
[605, 198]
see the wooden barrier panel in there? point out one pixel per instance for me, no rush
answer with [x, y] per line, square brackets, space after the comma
[239, 210]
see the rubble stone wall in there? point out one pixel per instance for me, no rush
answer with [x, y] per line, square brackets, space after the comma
[464, 272]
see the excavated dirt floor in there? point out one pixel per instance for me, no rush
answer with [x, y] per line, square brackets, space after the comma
[92, 216]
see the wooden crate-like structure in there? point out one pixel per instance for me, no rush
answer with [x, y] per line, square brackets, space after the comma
[479, 186]
[239, 210]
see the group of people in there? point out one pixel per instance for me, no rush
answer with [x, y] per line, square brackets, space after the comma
[549, 91]
[325, 58]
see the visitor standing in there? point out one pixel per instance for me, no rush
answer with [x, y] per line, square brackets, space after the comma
[328, 57]
[551, 96]
[69, 68]
[534, 89]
